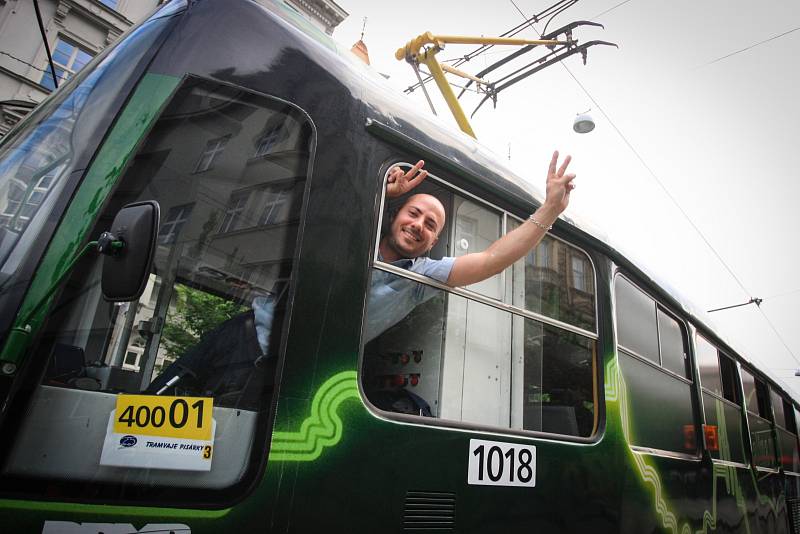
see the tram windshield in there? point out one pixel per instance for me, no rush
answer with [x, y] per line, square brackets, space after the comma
[228, 169]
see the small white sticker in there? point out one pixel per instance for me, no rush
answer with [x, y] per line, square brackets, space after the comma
[493, 463]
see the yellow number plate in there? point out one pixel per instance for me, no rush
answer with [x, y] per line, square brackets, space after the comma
[171, 417]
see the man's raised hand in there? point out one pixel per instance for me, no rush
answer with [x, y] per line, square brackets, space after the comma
[559, 184]
[399, 182]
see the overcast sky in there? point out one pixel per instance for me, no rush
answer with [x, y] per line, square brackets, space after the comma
[719, 133]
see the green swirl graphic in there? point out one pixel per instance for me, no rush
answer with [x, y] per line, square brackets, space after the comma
[322, 428]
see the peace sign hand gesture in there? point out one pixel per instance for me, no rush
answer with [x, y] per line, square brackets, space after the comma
[398, 183]
[559, 185]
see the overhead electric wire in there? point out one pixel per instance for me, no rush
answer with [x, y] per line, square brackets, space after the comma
[752, 46]
[46, 44]
[666, 191]
[610, 9]
[779, 295]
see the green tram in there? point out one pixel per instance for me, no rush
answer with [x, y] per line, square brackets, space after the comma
[188, 235]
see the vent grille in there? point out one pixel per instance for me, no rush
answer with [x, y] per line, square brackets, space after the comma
[794, 514]
[429, 510]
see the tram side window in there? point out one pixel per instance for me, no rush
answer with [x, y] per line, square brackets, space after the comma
[652, 356]
[724, 436]
[480, 356]
[759, 419]
[785, 426]
[210, 320]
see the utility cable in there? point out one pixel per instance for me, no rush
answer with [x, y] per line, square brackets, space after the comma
[610, 9]
[46, 44]
[752, 46]
[666, 191]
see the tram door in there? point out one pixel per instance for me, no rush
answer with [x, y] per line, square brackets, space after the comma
[228, 169]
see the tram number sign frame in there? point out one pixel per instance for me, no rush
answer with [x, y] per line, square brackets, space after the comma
[155, 432]
[494, 463]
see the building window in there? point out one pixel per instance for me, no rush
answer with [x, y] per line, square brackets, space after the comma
[213, 148]
[578, 274]
[172, 225]
[68, 59]
[268, 140]
[234, 212]
[23, 201]
[275, 200]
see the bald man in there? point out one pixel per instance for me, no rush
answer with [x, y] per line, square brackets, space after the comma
[415, 229]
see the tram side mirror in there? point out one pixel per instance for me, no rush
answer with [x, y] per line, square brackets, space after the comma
[129, 247]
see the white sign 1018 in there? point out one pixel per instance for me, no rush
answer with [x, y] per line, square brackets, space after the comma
[493, 463]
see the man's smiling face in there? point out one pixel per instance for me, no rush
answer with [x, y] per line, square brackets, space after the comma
[416, 226]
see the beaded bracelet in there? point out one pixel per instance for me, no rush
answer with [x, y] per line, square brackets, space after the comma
[540, 225]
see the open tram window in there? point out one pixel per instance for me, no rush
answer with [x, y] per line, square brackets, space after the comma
[652, 352]
[724, 433]
[759, 418]
[485, 354]
[209, 322]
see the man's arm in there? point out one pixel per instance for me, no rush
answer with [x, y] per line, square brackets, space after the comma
[479, 266]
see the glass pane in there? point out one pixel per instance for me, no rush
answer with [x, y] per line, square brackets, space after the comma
[475, 229]
[790, 458]
[63, 53]
[636, 320]
[724, 432]
[209, 321]
[777, 408]
[47, 80]
[708, 361]
[81, 59]
[730, 385]
[651, 391]
[443, 355]
[762, 441]
[673, 355]
[791, 422]
[558, 386]
[750, 396]
[556, 280]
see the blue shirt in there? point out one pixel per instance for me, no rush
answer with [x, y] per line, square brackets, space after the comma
[391, 297]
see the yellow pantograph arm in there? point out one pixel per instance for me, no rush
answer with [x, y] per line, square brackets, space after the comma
[413, 47]
[412, 53]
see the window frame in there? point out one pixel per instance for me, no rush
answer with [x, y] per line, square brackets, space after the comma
[691, 382]
[737, 391]
[593, 336]
[760, 384]
[109, 493]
